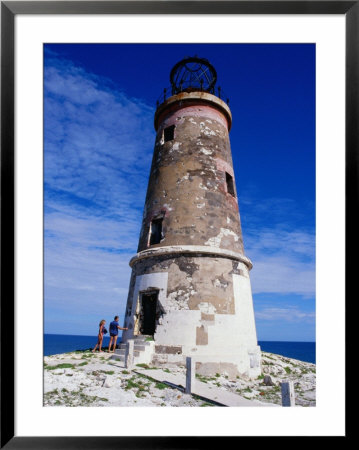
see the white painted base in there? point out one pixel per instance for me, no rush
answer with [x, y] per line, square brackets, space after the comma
[232, 338]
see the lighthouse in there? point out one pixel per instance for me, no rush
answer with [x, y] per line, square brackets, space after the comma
[190, 292]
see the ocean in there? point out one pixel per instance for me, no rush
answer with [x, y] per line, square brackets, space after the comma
[61, 343]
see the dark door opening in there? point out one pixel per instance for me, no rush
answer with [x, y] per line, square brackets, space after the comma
[149, 306]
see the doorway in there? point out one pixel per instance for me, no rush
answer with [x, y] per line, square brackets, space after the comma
[149, 308]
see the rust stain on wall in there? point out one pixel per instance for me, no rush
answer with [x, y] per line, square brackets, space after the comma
[201, 336]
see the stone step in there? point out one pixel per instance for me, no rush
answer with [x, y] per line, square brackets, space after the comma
[138, 347]
[122, 352]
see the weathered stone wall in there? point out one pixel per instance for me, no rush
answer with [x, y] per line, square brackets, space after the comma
[206, 309]
[199, 269]
[188, 183]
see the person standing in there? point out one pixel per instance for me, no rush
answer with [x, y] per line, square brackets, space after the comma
[101, 331]
[114, 327]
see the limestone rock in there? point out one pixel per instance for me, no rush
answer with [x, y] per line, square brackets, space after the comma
[267, 381]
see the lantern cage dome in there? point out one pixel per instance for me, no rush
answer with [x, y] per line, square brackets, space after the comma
[193, 74]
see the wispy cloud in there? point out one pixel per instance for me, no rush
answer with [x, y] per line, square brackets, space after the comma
[283, 261]
[290, 314]
[98, 150]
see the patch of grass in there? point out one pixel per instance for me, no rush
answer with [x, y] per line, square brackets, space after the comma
[98, 372]
[201, 378]
[143, 365]
[159, 385]
[73, 398]
[131, 384]
[83, 363]
[217, 375]
[54, 392]
[146, 366]
[260, 377]
[148, 339]
[61, 366]
[206, 404]
[125, 372]
[288, 369]
[167, 370]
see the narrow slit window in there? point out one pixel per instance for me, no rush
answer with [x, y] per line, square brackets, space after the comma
[169, 133]
[156, 231]
[230, 184]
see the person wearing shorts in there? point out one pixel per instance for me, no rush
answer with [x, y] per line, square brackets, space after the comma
[114, 327]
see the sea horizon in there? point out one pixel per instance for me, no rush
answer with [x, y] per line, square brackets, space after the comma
[95, 334]
[62, 343]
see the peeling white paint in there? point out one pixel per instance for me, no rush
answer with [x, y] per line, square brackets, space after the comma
[207, 308]
[216, 240]
[201, 205]
[206, 151]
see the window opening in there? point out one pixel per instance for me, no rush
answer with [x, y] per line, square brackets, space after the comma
[156, 231]
[169, 133]
[230, 184]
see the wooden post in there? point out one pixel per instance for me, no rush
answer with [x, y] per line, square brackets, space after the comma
[190, 374]
[288, 397]
[129, 354]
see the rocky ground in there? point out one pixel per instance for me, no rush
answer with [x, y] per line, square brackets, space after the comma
[83, 378]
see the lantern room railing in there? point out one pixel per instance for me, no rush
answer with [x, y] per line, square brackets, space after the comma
[170, 91]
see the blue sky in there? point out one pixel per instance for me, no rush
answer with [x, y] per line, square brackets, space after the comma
[99, 102]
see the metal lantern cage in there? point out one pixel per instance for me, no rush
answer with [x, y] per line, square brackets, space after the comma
[192, 74]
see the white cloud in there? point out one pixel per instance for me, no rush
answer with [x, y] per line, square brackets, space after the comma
[98, 150]
[286, 314]
[283, 261]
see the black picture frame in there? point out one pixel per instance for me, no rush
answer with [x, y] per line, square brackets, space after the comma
[9, 10]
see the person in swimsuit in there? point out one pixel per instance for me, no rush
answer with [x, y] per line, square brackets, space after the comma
[114, 327]
[101, 332]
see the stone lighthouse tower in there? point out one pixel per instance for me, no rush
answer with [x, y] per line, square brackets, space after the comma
[190, 292]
